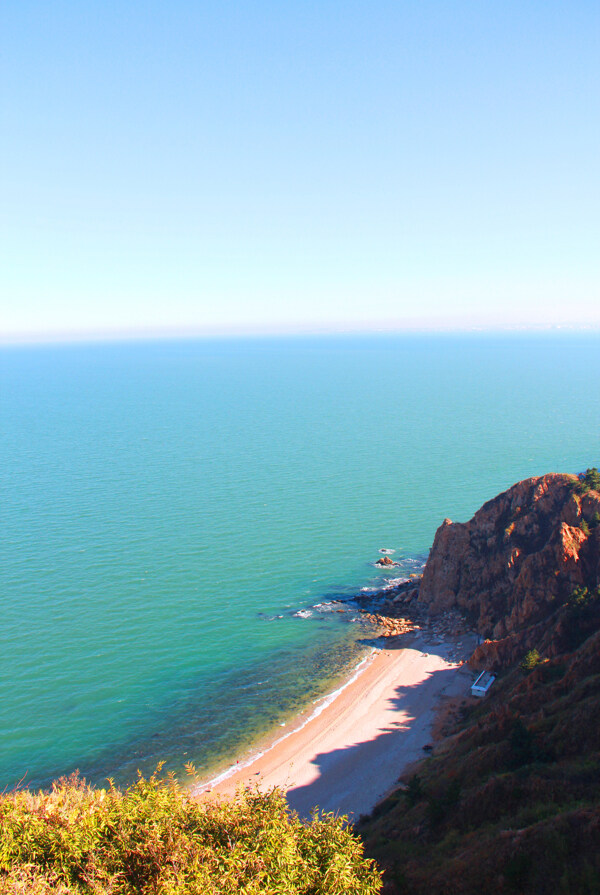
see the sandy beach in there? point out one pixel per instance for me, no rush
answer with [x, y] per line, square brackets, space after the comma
[348, 757]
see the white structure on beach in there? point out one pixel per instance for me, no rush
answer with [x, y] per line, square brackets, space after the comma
[482, 684]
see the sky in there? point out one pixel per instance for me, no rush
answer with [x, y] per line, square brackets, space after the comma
[232, 167]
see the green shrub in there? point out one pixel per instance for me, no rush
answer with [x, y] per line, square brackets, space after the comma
[439, 806]
[581, 599]
[517, 870]
[521, 745]
[582, 616]
[592, 478]
[155, 838]
[414, 791]
[530, 660]
[587, 481]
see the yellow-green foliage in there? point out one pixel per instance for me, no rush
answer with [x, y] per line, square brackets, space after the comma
[530, 660]
[155, 838]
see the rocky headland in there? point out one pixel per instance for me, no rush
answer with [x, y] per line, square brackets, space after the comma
[514, 566]
[509, 800]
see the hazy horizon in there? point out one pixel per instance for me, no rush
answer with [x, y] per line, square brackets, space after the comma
[165, 335]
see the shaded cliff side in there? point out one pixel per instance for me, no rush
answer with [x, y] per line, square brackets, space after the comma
[509, 800]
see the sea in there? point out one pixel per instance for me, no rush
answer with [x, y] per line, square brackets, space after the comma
[180, 522]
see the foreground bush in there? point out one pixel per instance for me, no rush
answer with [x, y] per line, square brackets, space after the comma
[154, 838]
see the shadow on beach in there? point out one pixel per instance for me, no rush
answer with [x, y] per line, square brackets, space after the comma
[352, 779]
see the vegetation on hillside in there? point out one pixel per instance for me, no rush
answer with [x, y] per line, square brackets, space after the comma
[587, 481]
[509, 801]
[155, 838]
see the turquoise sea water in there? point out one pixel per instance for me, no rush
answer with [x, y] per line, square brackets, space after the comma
[162, 503]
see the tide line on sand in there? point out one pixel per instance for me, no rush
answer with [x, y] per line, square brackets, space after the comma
[349, 752]
[321, 705]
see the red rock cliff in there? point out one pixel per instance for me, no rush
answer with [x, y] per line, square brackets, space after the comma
[520, 556]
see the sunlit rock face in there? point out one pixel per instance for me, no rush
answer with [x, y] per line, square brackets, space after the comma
[515, 562]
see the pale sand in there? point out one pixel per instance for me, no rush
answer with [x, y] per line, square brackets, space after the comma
[350, 756]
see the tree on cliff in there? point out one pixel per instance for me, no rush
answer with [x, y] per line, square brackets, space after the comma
[588, 481]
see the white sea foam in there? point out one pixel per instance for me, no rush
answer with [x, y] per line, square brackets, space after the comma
[329, 606]
[413, 562]
[394, 582]
[321, 705]
[302, 613]
[386, 551]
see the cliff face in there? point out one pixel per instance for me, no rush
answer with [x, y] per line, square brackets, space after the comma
[516, 561]
[508, 801]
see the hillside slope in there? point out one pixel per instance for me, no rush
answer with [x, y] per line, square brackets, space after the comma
[509, 801]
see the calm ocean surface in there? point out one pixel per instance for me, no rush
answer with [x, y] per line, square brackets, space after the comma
[163, 503]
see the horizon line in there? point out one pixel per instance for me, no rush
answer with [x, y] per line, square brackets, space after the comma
[140, 334]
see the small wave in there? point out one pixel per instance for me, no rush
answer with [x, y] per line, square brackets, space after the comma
[320, 707]
[329, 606]
[414, 562]
[302, 613]
[394, 582]
[386, 551]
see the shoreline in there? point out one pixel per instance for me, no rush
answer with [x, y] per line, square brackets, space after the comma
[367, 600]
[294, 725]
[347, 754]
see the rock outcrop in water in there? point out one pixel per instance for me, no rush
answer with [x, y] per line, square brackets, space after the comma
[386, 561]
[516, 562]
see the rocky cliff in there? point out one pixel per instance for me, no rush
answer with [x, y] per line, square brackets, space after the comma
[516, 562]
[508, 800]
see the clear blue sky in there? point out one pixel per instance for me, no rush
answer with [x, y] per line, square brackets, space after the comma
[257, 166]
